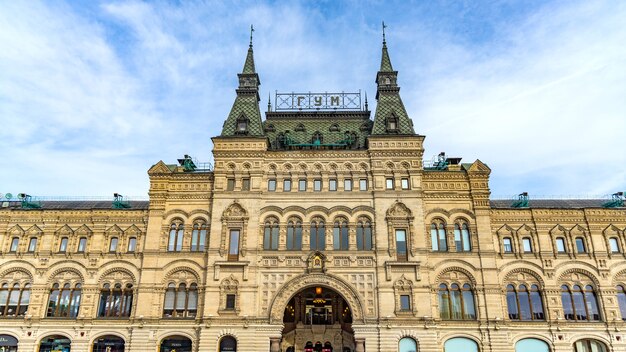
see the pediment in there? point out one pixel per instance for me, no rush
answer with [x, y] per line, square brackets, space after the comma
[159, 168]
[83, 230]
[114, 230]
[16, 230]
[34, 230]
[65, 230]
[398, 210]
[479, 166]
[235, 210]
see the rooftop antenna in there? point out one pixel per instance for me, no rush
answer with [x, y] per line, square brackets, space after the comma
[251, 31]
[384, 26]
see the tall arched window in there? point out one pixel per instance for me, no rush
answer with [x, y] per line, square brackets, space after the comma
[228, 343]
[318, 237]
[458, 344]
[456, 302]
[198, 237]
[580, 304]
[14, 300]
[364, 235]
[534, 345]
[438, 236]
[462, 237]
[407, 344]
[589, 345]
[64, 300]
[524, 304]
[294, 235]
[115, 302]
[340, 235]
[270, 234]
[175, 243]
[180, 302]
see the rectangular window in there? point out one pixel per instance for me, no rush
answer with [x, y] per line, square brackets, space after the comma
[271, 185]
[363, 184]
[82, 245]
[401, 247]
[113, 245]
[230, 184]
[233, 245]
[614, 245]
[287, 185]
[245, 184]
[580, 245]
[560, 245]
[389, 183]
[405, 302]
[527, 245]
[302, 185]
[332, 184]
[14, 244]
[32, 245]
[508, 246]
[230, 302]
[404, 183]
[347, 184]
[132, 244]
[63, 245]
[317, 185]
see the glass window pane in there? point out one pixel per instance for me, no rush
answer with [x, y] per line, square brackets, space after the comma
[113, 245]
[234, 242]
[230, 184]
[407, 344]
[359, 237]
[579, 304]
[534, 345]
[433, 237]
[537, 304]
[524, 303]
[511, 303]
[179, 239]
[363, 184]
[405, 183]
[368, 238]
[287, 186]
[460, 344]
[63, 245]
[290, 234]
[389, 183]
[528, 248]
[347, 184]
[580, 245]
[469, 311]
[560, 245]
[405, 302]
[401, 243]
[566, 302]
[275, 237]
[444, 302]
[271, 185]
[621, 299]
[508, 246]
[592, 304]
[467, 243]
[297, 244]
[302, 186]
[332, 184]
[455, 303]
[32, 245]
[614, 245]
[336, 239]
[82, 244]
[16, 241]
[317, 185]
[171, 245]
[245, 184]
[443, 243]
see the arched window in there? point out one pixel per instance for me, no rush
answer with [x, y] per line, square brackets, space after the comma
[580, 245]
[462, 237]
[438, 236]
[64, 301]
[63, 245]
[270, 234]
[15, 242]
[115, 302]
[108, 343]
[589, 346]
[579, 304]
[621, 300]
[456, 302]
[82, 245]
[228, 344]
[14, 300]
[318, 238]
[340, 235]
[524, 304]
[458, 344]
[198, 237]
[294, 235]
[317, 138]
[614, 245]
[132, 244]
[175, 243]
[32, 245]
[407, 344]
[534, 345]
[507, 245]
[181, 302]
[364, 235]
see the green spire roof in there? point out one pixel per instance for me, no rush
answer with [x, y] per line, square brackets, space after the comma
[248, 67]
[385, 62]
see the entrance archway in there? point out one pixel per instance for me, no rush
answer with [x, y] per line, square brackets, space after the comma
[55, 343]
[8, 343]
[175, 344]
[108, 343]
[317, 319]
[228, 344]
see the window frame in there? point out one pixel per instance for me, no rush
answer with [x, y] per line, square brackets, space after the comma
[271, 185]
[581, 247]
[32, 245]
[527, 245]
[390, 183]
[332, 184]
[302, 185]
[317, 185]
[63, 244]
[347, 185]
[233, 252]
[402, 256]
[287, 185]
[230, 184]
[245, 184]
[404, 183]
[363, 184]
[82, 242]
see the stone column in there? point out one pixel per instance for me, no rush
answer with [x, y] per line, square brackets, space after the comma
[360, 345]
[274, 344]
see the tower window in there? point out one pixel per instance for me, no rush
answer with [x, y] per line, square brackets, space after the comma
[242, 125]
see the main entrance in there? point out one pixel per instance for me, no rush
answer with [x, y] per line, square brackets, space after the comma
[317, 319]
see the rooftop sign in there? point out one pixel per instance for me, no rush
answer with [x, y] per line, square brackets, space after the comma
[317, 101]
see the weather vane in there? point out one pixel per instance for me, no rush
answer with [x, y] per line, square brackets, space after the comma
[251, 30]
[384, 26]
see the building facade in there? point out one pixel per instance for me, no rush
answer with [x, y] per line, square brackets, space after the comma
[319, 228]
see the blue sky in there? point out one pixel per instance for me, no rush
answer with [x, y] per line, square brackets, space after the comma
[93, 93]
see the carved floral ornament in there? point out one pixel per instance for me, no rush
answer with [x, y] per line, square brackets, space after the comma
[399, 211]
[235, 210]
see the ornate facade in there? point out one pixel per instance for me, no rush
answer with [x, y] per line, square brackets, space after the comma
[317, 229]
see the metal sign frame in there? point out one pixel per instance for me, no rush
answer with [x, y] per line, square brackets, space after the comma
[317, 101]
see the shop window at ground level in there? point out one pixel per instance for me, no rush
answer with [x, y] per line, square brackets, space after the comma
[228, 344]
[175, 344]
[458, 344]
[534, 345]
[407, 344]
[8, 343]
[108, 343]
[55, 343]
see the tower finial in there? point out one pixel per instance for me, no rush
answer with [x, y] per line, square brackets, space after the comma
[366, 106]
[269, 102]
[384, 39]
[251, 31]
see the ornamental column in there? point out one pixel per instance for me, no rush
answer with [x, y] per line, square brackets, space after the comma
[274, 344]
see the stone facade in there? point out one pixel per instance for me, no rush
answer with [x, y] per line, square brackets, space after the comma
[455, 237]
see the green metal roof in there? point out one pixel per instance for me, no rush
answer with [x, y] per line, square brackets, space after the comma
[385, 61]
[248, 66]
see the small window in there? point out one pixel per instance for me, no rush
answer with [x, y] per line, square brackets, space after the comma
[347, 184]
[363, 184]
[32, 245]
[233, 246]
[317, 185]
[230, 302]
[614, 245]
[113, 245]
[560, 245]
[230, 184]
[271, 185]
[287, 185]
[332, 184]
[242, 126]
[507, 244]
[63, 245]
[527, 245]
[132, 245]
[245, 184]
[405, 302]
[580, 245]
[389, 183]
[82, 245]
[302, 185]
[14, 244]
[405, 183]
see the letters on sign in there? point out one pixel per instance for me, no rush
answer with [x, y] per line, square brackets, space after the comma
[318, 101]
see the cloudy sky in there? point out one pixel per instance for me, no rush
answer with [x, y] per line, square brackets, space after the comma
[93, 93]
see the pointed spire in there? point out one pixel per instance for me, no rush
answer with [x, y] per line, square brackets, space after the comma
[385, 62]
[248, 67]
[366, 105]
[269, 102]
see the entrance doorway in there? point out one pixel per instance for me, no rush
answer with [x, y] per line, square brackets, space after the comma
[317, 319]
[108, 343]
[55, 343]
[175, 344]
[8, 343]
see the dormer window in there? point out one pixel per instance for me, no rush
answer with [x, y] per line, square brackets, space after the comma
[392, 124]
[242, 125]
[387, 81]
